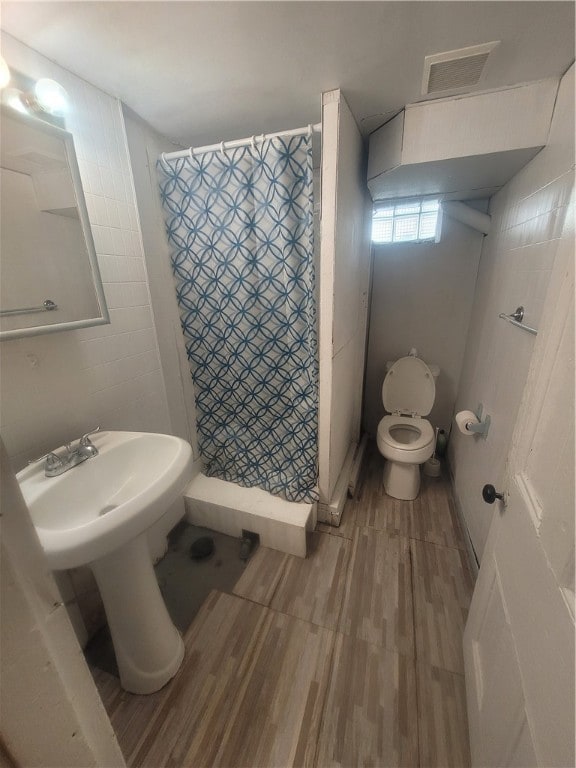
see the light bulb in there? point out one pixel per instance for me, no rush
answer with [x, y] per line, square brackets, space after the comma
[51, 96]
[4, 73]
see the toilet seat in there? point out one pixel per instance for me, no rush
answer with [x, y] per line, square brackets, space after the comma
[423, 426]
[409, 388]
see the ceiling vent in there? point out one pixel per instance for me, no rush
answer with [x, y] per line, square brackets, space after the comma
[455, 70]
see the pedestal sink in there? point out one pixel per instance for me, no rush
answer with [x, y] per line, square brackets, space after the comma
[97, 514]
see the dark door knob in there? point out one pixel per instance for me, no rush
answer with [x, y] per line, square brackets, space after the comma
[490, 495]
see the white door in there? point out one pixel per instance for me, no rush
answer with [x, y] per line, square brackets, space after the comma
[519, 638]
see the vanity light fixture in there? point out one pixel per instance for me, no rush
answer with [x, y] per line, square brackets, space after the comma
[50, 96]
[44, 98]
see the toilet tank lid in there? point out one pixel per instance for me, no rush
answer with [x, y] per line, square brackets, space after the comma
[434, 369]
[409, 387]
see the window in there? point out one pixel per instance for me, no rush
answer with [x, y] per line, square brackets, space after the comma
[406, 221]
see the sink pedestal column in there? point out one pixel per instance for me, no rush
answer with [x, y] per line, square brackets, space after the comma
[149, 649]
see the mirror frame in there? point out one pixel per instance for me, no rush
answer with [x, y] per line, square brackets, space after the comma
[67, 138]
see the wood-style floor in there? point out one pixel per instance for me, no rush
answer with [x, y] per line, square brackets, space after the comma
[351, 657]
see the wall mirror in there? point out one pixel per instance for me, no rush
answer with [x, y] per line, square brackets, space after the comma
[49, 277]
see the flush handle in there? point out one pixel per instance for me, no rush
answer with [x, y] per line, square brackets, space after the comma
[490, 494]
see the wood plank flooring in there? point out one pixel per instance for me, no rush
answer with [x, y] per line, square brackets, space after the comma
[378, 602]
[260, 579]
[351, 657]
[442, 588]
[312, 588]
[370, 713]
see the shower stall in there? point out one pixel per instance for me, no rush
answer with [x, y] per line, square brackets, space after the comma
[259, 284]
[239, 221]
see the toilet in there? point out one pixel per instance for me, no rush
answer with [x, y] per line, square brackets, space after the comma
[405, 438]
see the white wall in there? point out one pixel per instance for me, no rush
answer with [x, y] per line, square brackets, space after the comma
[517, 257]
[422, 295]
[344, 279]
[52, 714]
[145, 146]
[56, 387]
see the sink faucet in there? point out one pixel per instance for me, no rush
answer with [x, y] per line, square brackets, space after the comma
[56, 465]
[85, 446]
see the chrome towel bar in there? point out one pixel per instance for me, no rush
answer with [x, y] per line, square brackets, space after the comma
[516, 319]
[47, 306]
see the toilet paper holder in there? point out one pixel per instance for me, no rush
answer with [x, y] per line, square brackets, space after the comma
[483, 424]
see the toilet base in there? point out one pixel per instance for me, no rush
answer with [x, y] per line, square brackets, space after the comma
[401, 481]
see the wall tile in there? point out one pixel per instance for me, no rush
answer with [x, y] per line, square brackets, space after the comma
[58, 386]
[528, 216]
[145, 145]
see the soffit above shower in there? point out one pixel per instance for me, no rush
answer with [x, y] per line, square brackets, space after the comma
[462, 147]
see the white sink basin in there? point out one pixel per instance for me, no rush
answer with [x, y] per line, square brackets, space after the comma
[106, 501]
[97, 514]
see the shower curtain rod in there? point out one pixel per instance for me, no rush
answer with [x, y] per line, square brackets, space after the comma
[224, 145]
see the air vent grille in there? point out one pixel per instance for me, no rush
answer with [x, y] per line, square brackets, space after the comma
[455, 70]
[457, 73]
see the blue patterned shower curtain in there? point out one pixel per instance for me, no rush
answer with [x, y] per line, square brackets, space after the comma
[240, 227]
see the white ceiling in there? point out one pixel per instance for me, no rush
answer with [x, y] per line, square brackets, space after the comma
[209, 71]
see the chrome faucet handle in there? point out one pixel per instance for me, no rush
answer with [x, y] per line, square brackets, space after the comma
[85, 439]
[53, 461]
[54, 464]
[48, 456]
[85, 446]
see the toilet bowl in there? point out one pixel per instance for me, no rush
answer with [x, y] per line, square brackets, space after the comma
[404, 437]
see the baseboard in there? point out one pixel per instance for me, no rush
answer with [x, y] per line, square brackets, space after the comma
[331, 512]
[470, 551]
[357, 465]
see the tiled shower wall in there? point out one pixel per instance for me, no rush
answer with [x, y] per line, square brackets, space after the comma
[56, 387]
[528, 219]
